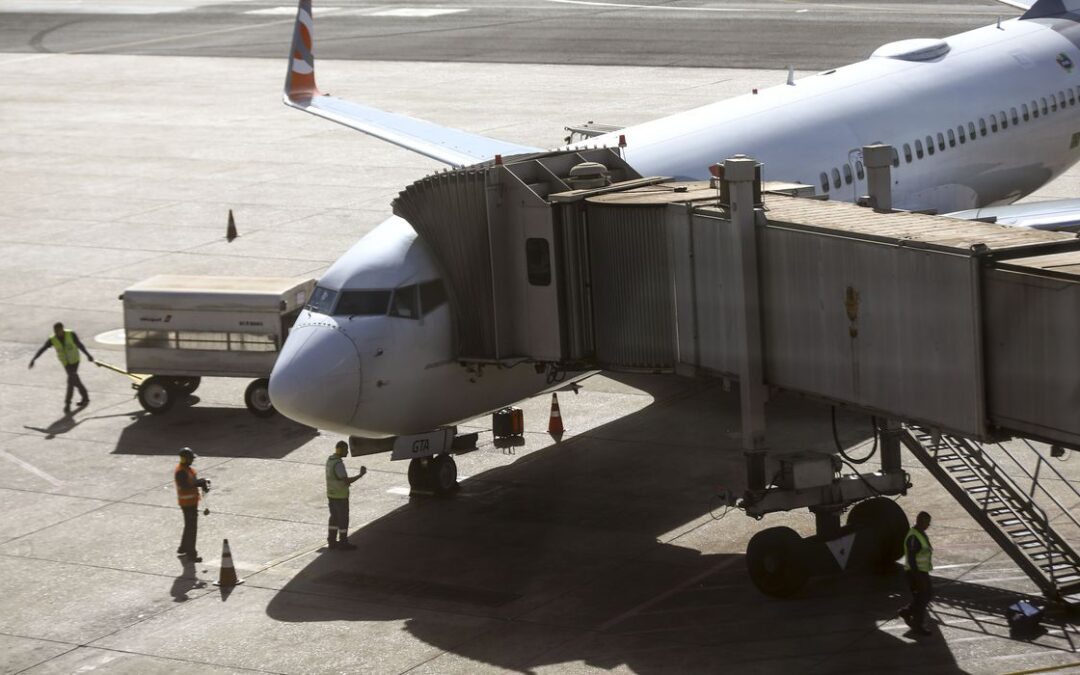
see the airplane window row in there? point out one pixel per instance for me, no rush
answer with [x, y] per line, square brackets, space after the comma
[963, 133]
[407, 302]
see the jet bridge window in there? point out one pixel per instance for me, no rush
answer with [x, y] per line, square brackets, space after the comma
[847, 174]
[363, 303]
[538, 261]
[918, 149]
[322, 300]
[1025, 112]
[432, 296]
[836, 178]
[982, 126]
[907, 153]
[405, 303]
[952, 139]
[1015, 116]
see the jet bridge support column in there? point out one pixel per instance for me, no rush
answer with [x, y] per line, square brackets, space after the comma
[878, 160]
[741, 172]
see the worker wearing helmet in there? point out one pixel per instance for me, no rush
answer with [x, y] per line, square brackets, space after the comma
[337, 494]
[918, 561]
[188, 485]
[67, 345]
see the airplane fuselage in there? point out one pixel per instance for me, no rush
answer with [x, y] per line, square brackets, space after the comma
[914, 95]
[980, 118]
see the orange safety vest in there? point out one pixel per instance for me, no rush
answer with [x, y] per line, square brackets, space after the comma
[186, 496]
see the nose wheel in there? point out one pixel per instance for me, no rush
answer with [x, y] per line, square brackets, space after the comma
[433, 475]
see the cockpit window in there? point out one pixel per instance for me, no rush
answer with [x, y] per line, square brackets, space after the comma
[322, 300]
[432, 296]
[405, 303]
[363, 303]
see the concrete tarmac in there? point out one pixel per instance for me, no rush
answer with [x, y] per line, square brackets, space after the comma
[605, 551]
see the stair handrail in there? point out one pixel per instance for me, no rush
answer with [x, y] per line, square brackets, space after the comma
[1047, 536]
[1035, 480]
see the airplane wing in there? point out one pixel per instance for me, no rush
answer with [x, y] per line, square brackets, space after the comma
[450, 146]
[1019, 4]
[1057, 214]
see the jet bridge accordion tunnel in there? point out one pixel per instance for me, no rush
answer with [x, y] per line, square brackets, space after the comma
[573, 261]
[966, 327]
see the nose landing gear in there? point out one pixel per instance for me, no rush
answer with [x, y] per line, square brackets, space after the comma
[437, 475]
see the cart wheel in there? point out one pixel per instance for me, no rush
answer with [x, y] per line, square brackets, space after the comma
[187, 385]
[155, 396]
[257, 398]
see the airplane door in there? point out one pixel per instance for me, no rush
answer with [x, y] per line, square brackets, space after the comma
[858, 170]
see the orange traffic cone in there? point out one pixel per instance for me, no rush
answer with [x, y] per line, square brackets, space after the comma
[227, 576]
[555, 422]
[230, 229]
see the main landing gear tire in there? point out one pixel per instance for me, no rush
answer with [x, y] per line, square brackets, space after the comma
[884, 520]
[257, 398]
[156, 395]
[437, 475]
[775, 562]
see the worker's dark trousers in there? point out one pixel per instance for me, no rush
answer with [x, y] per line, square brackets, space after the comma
[921, 591]
[339, 520]
[73, 382]
[191, 529]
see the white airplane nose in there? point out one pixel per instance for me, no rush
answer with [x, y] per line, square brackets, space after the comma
[316, 379]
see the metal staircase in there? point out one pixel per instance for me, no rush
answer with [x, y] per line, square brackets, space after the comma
[1006, 511]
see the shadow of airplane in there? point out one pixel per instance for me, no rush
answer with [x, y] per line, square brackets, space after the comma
[600, 549]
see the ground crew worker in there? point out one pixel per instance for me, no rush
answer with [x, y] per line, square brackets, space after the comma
[337, 493]
[67, 345]
[188, 485]
[918, 562]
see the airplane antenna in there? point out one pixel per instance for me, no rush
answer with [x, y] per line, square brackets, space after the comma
[791, 76]
[999, 24]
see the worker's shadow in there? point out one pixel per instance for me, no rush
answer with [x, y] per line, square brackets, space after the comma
[212, 432]
[185, 582]
[603, 549]
[66, 423]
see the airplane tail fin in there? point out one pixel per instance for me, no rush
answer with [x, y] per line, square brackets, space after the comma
[300, 78]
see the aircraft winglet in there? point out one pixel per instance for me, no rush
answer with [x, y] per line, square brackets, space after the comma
[300, 79]
[450, 146]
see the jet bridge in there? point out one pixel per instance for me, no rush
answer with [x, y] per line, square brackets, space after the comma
[573, 261]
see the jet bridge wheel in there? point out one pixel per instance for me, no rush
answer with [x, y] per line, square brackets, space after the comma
[775, 561]
[257, 398]
[156, 395]
[883, 522]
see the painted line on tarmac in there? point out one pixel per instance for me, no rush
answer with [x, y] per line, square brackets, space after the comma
[31, 468]
[668, 593]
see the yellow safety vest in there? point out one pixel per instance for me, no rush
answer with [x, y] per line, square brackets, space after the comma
[66, 351]
[923, 557]
[335, 487]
